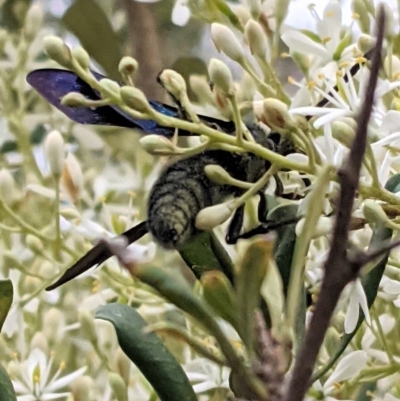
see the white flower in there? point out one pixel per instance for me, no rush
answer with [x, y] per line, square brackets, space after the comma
[35, 382]
[206, 375]
[357, 300]
[347, 368]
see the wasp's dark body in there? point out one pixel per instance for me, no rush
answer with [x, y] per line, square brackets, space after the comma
[183, 190]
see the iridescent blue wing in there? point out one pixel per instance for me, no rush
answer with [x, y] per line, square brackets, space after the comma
[53, 84]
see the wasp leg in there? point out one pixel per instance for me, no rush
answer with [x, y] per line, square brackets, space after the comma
[262, 210]
[279, 186]
[265, 228]
[235, 226]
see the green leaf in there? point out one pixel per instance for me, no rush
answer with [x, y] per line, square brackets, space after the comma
[250, 277]
[393, 184]
[285, 240]
[205, 253]
[6, 298]
[6, 388]
[88, 22]
[148, 353]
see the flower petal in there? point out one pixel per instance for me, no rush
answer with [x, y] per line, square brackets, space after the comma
[347, 368]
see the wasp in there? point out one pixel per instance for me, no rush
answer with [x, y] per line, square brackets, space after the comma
[183, 189]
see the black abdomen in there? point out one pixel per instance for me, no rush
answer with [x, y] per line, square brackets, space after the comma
[183, 190]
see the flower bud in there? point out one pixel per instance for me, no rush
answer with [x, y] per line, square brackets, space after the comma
[220, 75]
[70, 213]
[254, 7]
[374, 213]
[213, 216]
[389, 21]
[81, 388]
[135, 99]
[87, 325]
[365, 43]
[392, 65]
[217, 174]
[72, 177]
[53, 319]
[225, 41]
[118, 386]
[243, 14]
[108, 85]
[30, 284]
[39, 340]
[280, 12]
[57, 50]
[81, 56]
[6, 186]
[343, 133]
[258, 109]
[128, 66]
[275, 114]
[33, 21]
[34, 243]
[73, 99]
[54, 151]
[255, 38]
[173, 82]
[201, 88]
[157, 145]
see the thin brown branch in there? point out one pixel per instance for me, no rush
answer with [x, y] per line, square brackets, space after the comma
[142, 29]
[362, 258]
[271, 364]
[338, 271]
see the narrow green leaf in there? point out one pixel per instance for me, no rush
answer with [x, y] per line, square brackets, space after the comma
[285, 240]
[251, 274]
[88, 22]
[178, 292]
[205, 253]
[7, 392]
[218, 293]
[393, 184]
[6, 298]
[148, 353]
